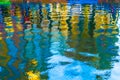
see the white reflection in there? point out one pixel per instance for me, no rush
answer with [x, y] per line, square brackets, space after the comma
[115, 73]
[71, 70]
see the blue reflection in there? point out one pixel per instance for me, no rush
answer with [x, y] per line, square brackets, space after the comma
[60, 41]
[13, 53]
[83, 1]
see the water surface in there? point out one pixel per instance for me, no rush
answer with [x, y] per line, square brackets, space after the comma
[59, 42]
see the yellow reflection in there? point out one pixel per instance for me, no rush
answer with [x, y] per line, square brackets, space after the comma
[86, 9]
[19, 27]
[9, 29]
[45, 21]
[34, 62]
[35, 16]
[63, 18]
[33, 75]
[54, 13]
[19, 17]
[44, 11]
[104, 21]
[74, 23]
[1, 36]
[86, 21]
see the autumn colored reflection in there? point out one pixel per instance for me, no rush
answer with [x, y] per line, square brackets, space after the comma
[59, 41]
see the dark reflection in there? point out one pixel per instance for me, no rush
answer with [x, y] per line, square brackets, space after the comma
[81, 27]
[59, 41]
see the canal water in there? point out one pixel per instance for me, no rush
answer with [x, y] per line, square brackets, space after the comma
[59, 41]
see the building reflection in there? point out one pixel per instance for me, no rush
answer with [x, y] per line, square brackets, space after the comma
[64, 28]
[63, 20]
[59, 36]
[82, 39]
[74, 21]
[45, 39]
[55, 34]
[106, 36]
[32, 37]
[94, 51]
[12, 50]
[39, 40]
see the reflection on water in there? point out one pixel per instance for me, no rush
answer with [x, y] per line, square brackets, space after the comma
[59, 42]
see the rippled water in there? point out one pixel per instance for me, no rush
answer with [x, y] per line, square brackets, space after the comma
[59, 42]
